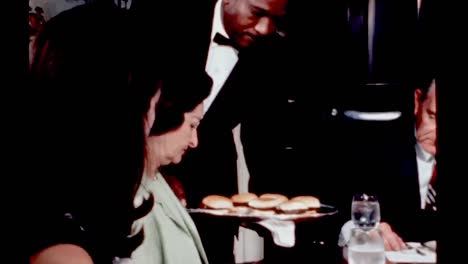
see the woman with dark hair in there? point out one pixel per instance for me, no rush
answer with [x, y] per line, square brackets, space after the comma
[93, 105]
[170, 234]
[88, 114]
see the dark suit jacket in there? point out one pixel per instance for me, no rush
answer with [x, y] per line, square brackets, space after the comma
[290, 142]
[400, 200]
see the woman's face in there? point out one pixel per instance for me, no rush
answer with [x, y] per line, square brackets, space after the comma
[173, 145]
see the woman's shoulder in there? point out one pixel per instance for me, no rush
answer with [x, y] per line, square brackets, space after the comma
[53, 229]
[62, 253]
[66, 235]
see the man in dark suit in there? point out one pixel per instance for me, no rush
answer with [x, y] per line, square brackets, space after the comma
[403, 175]
[291, 143]
[234, 42]
[409, 198]
[409, 202]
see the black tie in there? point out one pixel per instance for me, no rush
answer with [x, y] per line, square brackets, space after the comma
[222, 40]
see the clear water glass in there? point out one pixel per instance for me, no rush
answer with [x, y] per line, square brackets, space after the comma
[365, 211]
[366, 247]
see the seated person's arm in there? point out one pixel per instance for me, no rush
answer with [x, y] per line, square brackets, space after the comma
[392, 240]
[62, 254]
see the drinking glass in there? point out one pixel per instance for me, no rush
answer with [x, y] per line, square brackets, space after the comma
[366, 247]
[365, 211]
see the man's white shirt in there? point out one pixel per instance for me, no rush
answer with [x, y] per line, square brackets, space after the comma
[219, 65]
[426, 164]
[221, 58]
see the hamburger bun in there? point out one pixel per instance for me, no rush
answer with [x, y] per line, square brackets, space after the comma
[275, 196]
[292, 207]
[217, 202]
[263, 212]
[242, 199]
[310, 201]
[240, 210]
[264, 203]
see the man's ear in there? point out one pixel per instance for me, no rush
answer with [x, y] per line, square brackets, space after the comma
[417, 100]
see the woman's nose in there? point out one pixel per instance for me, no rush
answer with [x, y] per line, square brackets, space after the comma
[193, 140]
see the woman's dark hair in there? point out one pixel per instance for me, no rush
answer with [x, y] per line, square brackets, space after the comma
[87, 135]
[423, 82]
[180, 94]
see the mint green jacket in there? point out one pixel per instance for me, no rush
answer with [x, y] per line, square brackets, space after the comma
[170, 233]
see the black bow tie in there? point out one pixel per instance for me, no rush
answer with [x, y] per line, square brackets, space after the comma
[222, 40]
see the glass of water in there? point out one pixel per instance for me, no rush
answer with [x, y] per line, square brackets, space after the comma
[365, 211]
[366, 247]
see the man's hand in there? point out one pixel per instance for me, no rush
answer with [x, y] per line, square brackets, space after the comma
[392, 241]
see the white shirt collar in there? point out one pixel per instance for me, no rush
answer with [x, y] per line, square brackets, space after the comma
[218, 26]
[422, 154]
